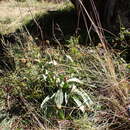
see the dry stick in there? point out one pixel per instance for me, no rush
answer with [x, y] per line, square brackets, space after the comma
[54, 36]
[103, 29]
[41, 32]
[102, 39]
[78, 9]
[99, 26]
[88, 30]
[97, 19]
[96, 13]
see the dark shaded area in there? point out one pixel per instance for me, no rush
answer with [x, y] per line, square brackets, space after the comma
[7, 62]
[53, 25]
[59, 26]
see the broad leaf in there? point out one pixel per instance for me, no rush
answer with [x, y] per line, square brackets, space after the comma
[59, 98]
[85, 97]
[74, 80]
[79, 103]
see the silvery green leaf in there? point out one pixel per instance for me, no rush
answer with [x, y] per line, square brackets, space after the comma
[57, 80]
[59, 98]
[52, 95]
[44, 77]
[69, 57]
[85, 97]
[74, 88]
[74, 80]
[66, 98]
[53, 62]
[62, 84]
[46, 72]
[79, 104]
[45, 101]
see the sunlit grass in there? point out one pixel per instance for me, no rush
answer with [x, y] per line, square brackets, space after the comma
[14, 14]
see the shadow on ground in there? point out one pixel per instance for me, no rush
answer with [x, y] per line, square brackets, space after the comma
[53, 26]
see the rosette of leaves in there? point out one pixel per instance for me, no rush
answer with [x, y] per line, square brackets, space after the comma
[66, 97]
